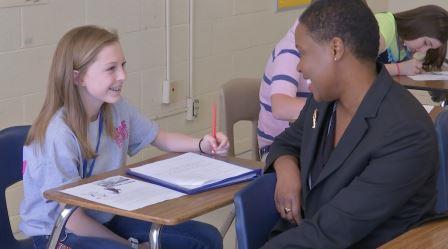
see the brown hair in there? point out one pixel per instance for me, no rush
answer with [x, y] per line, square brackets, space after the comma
[76, 50]
[430, 21]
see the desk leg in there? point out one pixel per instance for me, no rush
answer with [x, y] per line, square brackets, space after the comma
[227, 223]
[154, 236]
[60, 224]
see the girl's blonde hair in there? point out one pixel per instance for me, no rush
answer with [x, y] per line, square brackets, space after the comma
[76, 50]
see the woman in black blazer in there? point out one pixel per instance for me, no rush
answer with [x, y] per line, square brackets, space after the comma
[359, 165]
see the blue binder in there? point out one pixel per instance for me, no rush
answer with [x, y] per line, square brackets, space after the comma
[247, 176]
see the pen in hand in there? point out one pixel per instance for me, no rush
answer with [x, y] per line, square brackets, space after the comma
[214, 123]
[214, 120]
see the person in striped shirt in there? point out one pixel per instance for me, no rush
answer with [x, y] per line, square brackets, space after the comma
[283, 91]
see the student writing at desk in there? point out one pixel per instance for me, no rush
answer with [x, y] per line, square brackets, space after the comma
[422, 32]
[360, 162]
[86, 128]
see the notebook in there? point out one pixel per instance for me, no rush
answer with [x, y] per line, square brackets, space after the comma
[192, 173]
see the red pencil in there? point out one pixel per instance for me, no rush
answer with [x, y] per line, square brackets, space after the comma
[214, 120]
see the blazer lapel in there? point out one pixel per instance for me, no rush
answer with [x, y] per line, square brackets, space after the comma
[358, 126]
[353, 134]
[311, 135]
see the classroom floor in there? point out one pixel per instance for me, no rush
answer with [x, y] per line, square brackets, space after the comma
[217, 217]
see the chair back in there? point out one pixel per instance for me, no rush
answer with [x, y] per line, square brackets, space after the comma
[256, 213]
[239, 101]
[441, 125]
[11, 147]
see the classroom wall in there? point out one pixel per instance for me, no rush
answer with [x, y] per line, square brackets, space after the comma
[400, 5]
[233, 39]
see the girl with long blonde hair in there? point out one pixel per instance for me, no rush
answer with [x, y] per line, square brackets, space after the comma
[86, 128]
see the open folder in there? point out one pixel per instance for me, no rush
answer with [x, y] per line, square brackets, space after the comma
[191, 173]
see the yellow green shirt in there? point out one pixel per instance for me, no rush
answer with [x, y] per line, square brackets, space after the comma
[388, 29]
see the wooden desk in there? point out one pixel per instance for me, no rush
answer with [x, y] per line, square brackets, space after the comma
[440, 86]
[169, 212]
[438, 89]
[429, 236]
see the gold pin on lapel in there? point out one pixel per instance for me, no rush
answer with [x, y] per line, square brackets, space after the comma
[314, 118]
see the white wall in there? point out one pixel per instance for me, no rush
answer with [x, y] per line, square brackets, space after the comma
[400, 5]
[233, 39]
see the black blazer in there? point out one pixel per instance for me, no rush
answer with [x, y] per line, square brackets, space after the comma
[379, 181]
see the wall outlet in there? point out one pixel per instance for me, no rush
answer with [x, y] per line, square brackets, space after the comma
[192, 108]
[195, 108]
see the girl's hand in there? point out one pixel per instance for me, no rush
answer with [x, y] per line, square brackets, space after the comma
[410, 67]
[219, 146]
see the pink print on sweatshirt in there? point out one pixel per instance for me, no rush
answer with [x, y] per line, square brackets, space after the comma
[121, 134]
[23, 167]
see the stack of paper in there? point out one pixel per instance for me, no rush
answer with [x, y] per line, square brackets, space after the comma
[192, 173]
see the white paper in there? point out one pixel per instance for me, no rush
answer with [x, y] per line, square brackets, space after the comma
[123, 192]
[443, 75]
[190, 170]
[428, 108]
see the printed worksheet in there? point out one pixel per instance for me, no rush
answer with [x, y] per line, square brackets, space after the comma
[123, 192]
[443, 75]
[190, 170]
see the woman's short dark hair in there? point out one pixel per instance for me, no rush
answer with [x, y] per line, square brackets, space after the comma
[350, 20]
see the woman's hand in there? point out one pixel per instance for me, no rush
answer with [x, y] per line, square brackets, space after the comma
[410, 67]
[219, 146]
[288, 189]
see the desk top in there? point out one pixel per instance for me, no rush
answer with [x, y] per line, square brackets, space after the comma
[440, 86]
[430, 235]
[169, 212]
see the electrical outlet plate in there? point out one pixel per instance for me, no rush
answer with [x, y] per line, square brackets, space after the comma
[195, 108]
[192, 108]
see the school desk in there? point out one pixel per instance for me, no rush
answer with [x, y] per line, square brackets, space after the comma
[169, 212]
[429, 236]
[438, 89]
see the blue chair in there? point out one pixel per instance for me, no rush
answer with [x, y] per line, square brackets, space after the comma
[255, 211]
[11, 143]
[441, 125]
